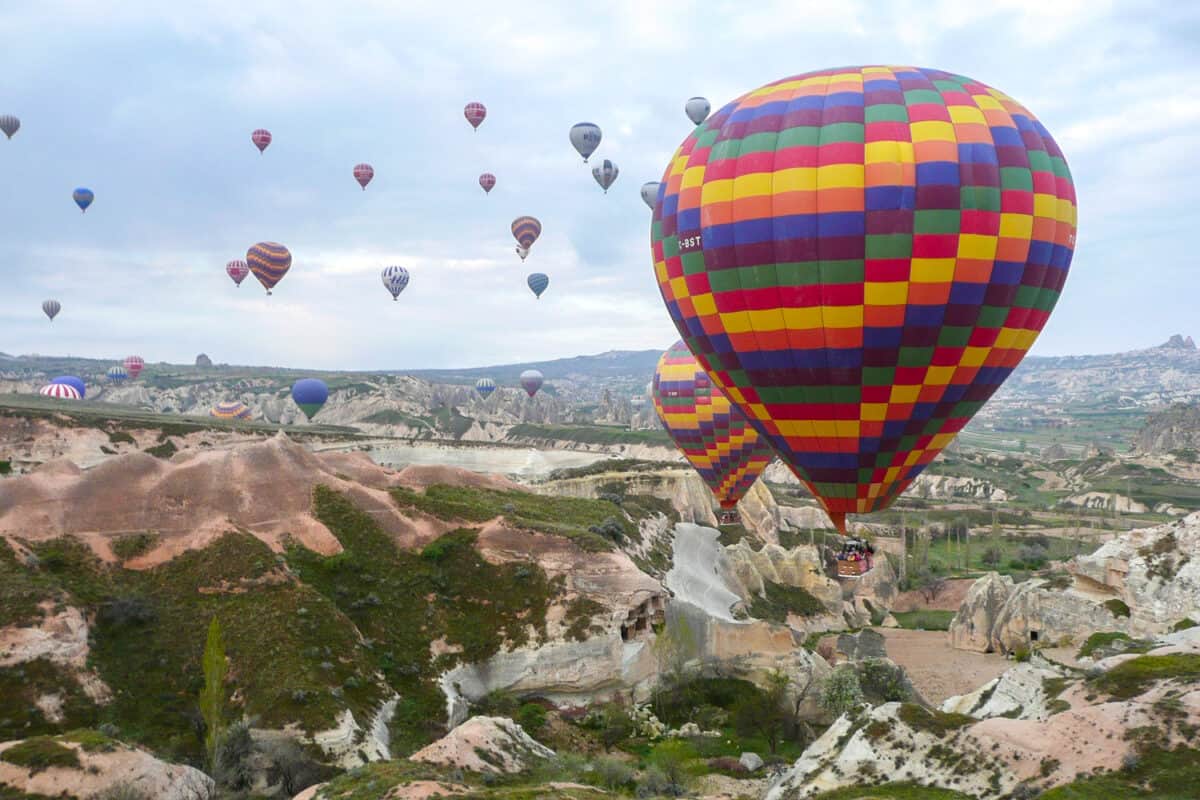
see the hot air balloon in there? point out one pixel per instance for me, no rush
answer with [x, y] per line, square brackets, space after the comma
[475, 114]
[74, 382]
[697, 109]
[117, 374]
[526, 231]
[135, 365]
[363, 174]
[261, 138]
[538, 281]
[310, 394]
[269, 261]
[9, 124]
[394, 280]
[83, 198]
[237, 270]
[60, 391]
[713, 435]
[585, 138]
[531, 381]
[605, 174]
[231, 409]
[860, 260]
[650, 193]
[484, 387]
[51, 308]
[487, 180]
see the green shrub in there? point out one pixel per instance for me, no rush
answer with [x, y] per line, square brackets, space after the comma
[1131, 678]
[613, 773]
[1117, 607]
[840, 691]
[40, 753]
[1184, 624]
[782, 600]
[883, 681]
[133, 545]
[531, 717]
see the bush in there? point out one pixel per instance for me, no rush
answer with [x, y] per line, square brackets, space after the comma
[123, 611]
[841, 692]
[670, 758]
[654, 783]
[613, 773]
[531, 717]
[884, 682]
[291, 767]
[1032, 556]
[1184, 624]
[1117, 607]
[1021, 654]
[991, 557]
[611, 529]
[616, 725]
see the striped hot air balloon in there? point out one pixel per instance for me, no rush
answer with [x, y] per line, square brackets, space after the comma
[475, 113]
[230, 409]
[237, 271]
[51, 308]
[60, 391]
[395, 279]
[269, 261]
[858, 258]
[484, 387]
[488, 181]
[117, 374]
[135, 365]
[261, 138]
[537, 282]
[363, 173]
[74, 382]
[9, 124]
[605, 174]
[526, 231]
[531, 381]
[83, 198]
[712, 434]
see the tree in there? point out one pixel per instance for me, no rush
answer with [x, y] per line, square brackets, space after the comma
[765, 712]
[671, 758]
[674, 646]
[841, 692]
[991, 557]
[930, 585]
[212, 696]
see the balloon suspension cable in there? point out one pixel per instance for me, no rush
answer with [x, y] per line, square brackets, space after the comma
[839, 521]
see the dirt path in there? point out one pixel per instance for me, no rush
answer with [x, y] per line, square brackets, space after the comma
[936, 669]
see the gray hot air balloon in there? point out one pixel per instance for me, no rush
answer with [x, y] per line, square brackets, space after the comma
[51, 307]
[9, 124]
[538, 281]
[394, 280]
[605, 174]
[697, 109]
[650, 193]
[585, 137]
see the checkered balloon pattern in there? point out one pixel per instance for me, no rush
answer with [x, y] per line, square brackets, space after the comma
[859, 257]
[712, 434]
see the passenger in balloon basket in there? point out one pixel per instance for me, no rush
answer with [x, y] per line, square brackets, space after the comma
[856, 557]
[729, 516]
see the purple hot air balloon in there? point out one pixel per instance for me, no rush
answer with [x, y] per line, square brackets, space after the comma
[531, 381]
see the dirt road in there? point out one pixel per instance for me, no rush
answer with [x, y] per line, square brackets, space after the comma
[936, 669]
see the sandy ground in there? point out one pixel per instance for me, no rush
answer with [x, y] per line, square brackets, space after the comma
[936, 669]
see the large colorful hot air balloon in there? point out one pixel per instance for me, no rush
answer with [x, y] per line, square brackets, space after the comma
[231, 409]
[269, 261]
[531, 381]
[135, 365]
[526, 231]
[859, 257]
[484, 387]
[310, 394]
[475, 114]
[650, 193]
[261, 138]
[60, 391]
[9, 124]
[83, 198]
[488, 181]
[712, 434]
[51, 308]
[394, 280]
[117, 374]
[237, 270]
[605, 174]
[538, 281]
[74, 382]
[585, 138]
[363, 173]
[697, 109]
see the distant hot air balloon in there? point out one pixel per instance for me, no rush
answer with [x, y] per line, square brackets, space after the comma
[487, 180]
[523, 252]
[261, 138]
[60, 391]
[363, 174]
[135, 365]
[605, 174]
[526, 231]
[697, 109]
[475, 114]
[310, 394]
[9, 124]
[117, 374]
[237, 270]
[860, 261]
[531, 381]
[538, 281]
[484, 387]
[394, 280]
[74, 382]
[585, 137]
[712, 434]
[650, 193]
[83, 197]
[51, 308]
[231, 409]
[269, 261]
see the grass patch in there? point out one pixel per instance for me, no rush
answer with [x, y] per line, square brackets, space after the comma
[133, 545]
[22, 589]
[1131, 678]
[120, 437]
[939, 723]
[5, 467]
[1155, 774]
[164, 450]
[578, 619]
[40, 753]
[926, 619]
[607, 465]
[732, 534]
[1112, 640]
[1184, 624]
[782, 600]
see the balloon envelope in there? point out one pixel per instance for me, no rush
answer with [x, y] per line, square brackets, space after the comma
[484, 387]
[697, 109]
[51, 308]
[531, 381]
[487, 180]
[650, 193]
[261, 138]
[475, 114]
[310, 394]
[237, 270]
[9, 124]
[269, 261]
[538, 281]
[523, 252]
[605, 174]
[363, 173]
[394, 280]
[74, 382]
[60, 391]
[117, 374]
[860, 303]
[83, 197]
[135, 365]
[230, 410]
[526, 231]
[585, 138]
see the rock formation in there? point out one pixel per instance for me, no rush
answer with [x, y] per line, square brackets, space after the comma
[485, 744]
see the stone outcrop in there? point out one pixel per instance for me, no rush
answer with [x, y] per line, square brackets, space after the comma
[495, 745]
[682, 487]
[971, 628]
[1106, 501]
[948, 487]
[1020, 693]
[801, 567]
[60, 637]
[1172, 429]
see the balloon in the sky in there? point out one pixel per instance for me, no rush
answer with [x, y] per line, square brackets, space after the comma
[538, 281]
[117, 374]
[269, 261]
[83, 197]
[475, 114]
[697, 109]
[713, 435]
[74, 382]
[261, 138]
[531, 381]
[605, 174]
[523, 252]
[231, 409]
[394, 280]
[526, 231]
[9, 124]
[237, 270]
[60, 391]
[650, 193]
[363, 174]
[860, 260]
[135, 365]
[51, 308]
[310, 394]
[484, 387]
[487, 180]
[585, 138]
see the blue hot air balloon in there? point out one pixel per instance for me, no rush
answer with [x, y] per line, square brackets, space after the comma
[394, 280]
[485, 387]
[538, 281]
[310, 394]
[71, 380]
[117, 374]
[83, 197]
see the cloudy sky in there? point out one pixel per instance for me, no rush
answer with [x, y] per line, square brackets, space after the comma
[151, 104]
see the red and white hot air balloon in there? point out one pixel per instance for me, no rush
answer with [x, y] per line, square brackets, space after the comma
[237, 270]
[487, 180]
[475, 113]
[60, 391]
[261, 138]
[363, 174]
[134, 366]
